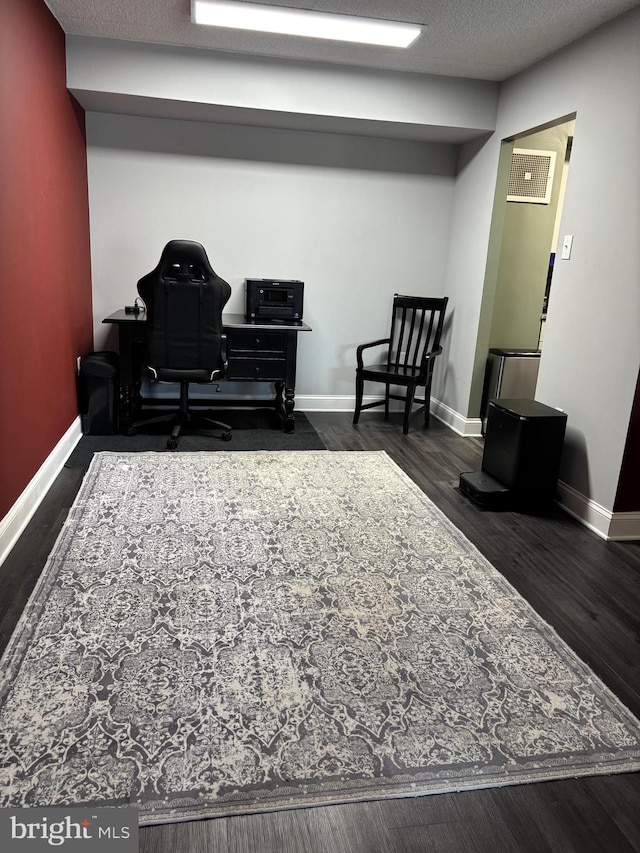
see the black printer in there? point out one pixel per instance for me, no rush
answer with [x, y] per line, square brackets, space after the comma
[273, 299]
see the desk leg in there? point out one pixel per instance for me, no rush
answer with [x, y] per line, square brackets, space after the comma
[126, 407]
[130, 405]
[279, 401]
[284, 405]
[132, 343]
[289, 419]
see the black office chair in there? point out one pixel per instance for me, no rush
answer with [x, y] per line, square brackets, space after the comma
[411, 349]
[184, 299]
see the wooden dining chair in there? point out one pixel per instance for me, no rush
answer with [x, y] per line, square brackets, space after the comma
[411, 349]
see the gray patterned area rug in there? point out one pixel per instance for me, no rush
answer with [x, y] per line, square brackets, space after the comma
[218, 633]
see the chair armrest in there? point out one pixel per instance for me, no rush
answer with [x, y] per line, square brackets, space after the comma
[223, 354]
[363, 347]
[428, 359]
[432, 353]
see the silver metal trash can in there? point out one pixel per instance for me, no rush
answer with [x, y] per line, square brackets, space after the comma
[511, 374]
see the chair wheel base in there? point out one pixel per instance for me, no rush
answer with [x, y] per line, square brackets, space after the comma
[226, 436]
[172, 443]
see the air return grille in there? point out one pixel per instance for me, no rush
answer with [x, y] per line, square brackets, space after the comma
[531, 176]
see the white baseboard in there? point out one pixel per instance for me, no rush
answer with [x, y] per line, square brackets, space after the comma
[613, 526]
[470, 427]
[15, 521]
[337, 403]
[346, 403]
[625, 526]
[342, 403]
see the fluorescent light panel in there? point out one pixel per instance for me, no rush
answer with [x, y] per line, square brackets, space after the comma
[300, 22]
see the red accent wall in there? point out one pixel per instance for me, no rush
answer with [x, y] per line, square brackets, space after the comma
[628, 495]
[45, 269]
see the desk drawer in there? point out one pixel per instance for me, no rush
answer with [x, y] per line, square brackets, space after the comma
[256, 344]
[266, 369]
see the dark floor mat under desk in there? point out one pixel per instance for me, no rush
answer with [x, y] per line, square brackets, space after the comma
[259, 429]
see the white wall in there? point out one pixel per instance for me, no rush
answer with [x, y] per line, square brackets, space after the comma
[174, 82]
[468, 240]
[368, 215]
[355, 218]
[359, 218]
[591, 354]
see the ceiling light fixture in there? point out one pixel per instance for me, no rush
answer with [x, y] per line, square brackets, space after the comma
[300, 22]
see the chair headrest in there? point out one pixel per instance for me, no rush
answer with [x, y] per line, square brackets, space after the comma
[185, 259]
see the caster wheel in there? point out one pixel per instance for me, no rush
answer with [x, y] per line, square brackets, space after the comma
[226, 436]
[131, 431]
[172, 443]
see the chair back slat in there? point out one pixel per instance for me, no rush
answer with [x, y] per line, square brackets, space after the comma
[416, 328]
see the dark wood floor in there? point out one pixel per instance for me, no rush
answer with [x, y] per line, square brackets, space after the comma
[589, 590]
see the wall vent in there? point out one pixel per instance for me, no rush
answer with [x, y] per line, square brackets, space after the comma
[531, 176]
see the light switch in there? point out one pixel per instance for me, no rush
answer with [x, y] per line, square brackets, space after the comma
[567, 243]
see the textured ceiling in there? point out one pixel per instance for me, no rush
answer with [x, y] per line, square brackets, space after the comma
[484, 39]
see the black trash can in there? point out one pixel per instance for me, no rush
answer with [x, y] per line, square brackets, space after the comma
[98, 389]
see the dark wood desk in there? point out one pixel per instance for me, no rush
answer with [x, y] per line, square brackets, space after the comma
[260, 351]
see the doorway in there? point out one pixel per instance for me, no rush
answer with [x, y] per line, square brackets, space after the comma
[522, 252]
